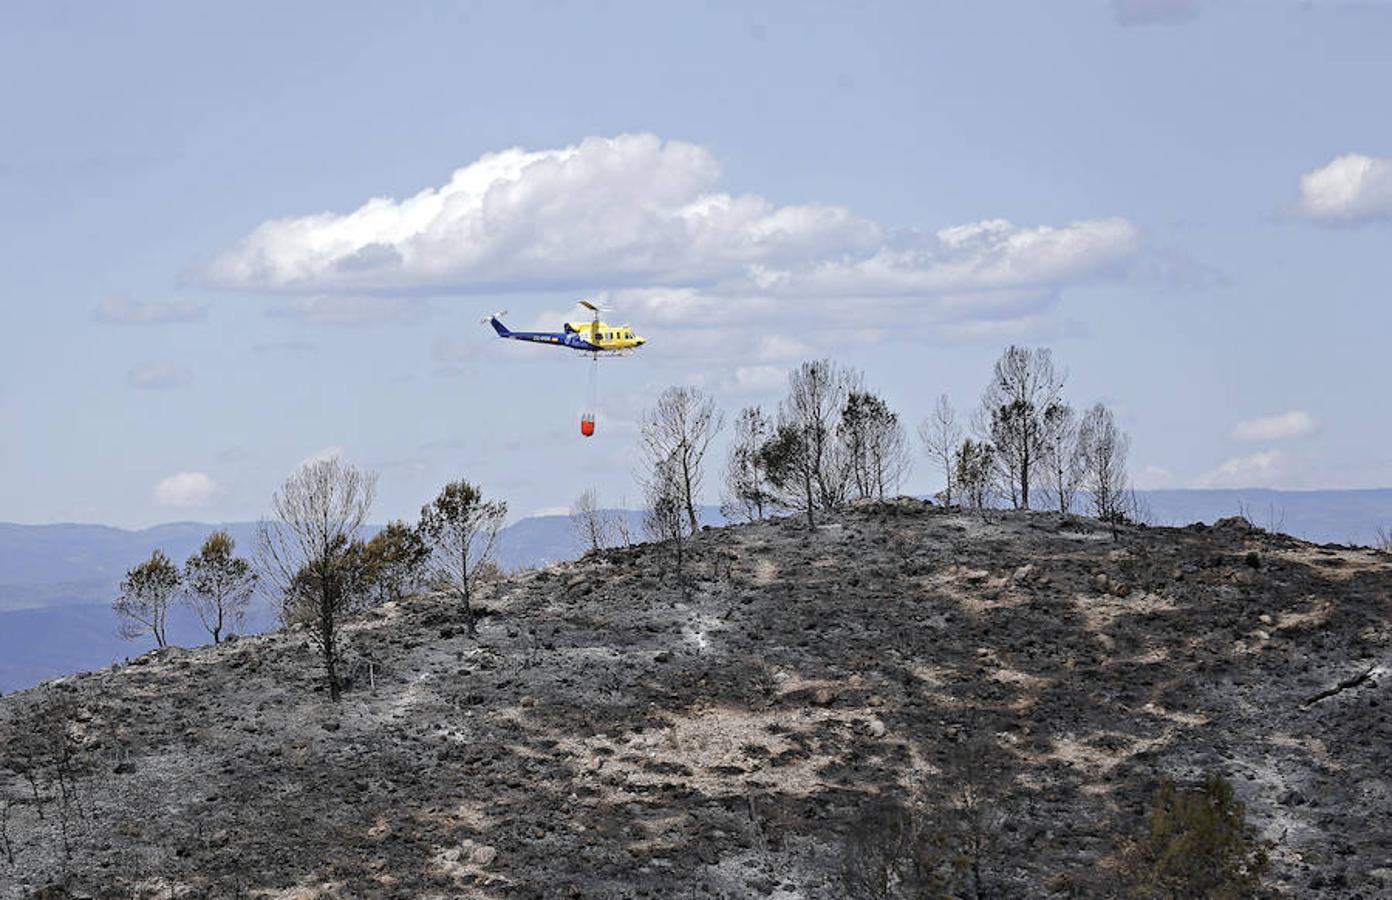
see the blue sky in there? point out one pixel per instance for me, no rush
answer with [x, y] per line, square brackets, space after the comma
[1188, 201]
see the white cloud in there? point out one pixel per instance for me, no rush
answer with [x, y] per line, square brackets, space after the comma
[1154, 12]
[605, 210]
[186, 490]
[636, 211]
[1352, 190]
[122, 311]
[1262, 469]
[159, 376]
[1295, 423]
[990, 255]
[744, 329]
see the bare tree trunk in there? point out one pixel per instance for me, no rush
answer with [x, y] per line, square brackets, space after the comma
[464, 593]
[326, 624]
[681, 580]
[687, 491]
[34, 790]
[1024, 479]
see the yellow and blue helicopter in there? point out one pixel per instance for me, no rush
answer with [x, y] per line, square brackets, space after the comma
[594, 336]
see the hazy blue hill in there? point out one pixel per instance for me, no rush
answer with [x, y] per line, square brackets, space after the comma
[56, 587]
[57, 581]
[540, 540]
[1332, 517]
[59, 554]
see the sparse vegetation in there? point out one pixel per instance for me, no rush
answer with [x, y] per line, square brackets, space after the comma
[142, 606]
[976, 466]
[784, 460]
[1102, 451]
[588, 523]
[807, 465]
[664, 514]
[930, 845]
[875, 445]
[748, 494]
[941, 436]
[676, 432]
[1196, 843]
[395, 560]
[1064, 464]
[1017, 406]
[46, 751]
[461, 529]
[218, 585]
[804, 679]
[309, 550]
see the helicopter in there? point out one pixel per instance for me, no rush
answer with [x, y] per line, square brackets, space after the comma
[594, 337]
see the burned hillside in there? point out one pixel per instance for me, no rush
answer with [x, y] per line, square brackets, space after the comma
[1017, 685]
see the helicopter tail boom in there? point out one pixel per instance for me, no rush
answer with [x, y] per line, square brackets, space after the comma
[499, 327]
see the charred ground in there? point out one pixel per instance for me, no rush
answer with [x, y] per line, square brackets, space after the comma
[611, 735]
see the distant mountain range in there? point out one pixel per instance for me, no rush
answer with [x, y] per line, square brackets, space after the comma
[57, 581]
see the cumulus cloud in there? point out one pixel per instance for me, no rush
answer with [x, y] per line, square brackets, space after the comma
[637, 211]
[1352, 190]
[605, 210]
[123, 311]
[1154, 12]
[1262, 469]
[745, 328]
[159, 376]
[186, 490]
[1295, 423]
[991, 255]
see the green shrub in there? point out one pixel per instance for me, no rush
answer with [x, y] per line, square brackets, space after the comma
[1196, 843]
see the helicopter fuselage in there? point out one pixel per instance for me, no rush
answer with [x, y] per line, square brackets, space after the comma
[587, 337]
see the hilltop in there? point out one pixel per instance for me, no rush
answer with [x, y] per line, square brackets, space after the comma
[609, 735]
[57, 581]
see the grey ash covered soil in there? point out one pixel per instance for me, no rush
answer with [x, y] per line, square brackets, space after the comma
[607, 737]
